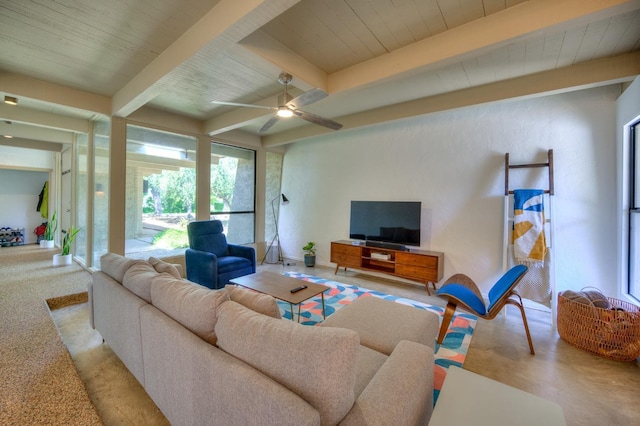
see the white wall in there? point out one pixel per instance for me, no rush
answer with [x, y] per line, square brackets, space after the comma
[454, 163]
[19, 190]
[23, 172]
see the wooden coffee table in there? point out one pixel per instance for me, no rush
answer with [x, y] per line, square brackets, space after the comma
[279, 286]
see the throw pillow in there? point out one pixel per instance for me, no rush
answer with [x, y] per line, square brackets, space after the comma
[262, 303]
[162, 266]
[138, 278]
[317, 363]
[192, 305]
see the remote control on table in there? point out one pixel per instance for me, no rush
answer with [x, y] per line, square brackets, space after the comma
[297, 289]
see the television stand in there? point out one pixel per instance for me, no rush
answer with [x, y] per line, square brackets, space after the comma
[416, 265]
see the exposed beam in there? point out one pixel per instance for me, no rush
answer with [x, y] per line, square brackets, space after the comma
[585, 75]
[28, 131]
[22, 86]
[32, 144]
[43, 119]
[265, 46]
[477, 36]
[225, 24]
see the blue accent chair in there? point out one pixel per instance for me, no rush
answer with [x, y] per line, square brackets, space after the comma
[210, 260]
[461, 290]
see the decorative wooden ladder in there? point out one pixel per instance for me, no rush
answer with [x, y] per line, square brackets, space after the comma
[549, 220]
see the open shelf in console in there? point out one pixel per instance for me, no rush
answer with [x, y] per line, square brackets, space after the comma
[378, 259]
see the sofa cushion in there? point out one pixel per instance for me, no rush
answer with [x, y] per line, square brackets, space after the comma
[232, 263]
[191, 305]
[162, 266]
[115, 265]
[369, 362]
[262, 303]
[319, 364]
[138, 278]
[381, 323]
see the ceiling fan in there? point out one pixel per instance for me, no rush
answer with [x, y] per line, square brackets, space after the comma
[288, 106]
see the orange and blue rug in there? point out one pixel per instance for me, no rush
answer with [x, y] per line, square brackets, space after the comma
[452, 351]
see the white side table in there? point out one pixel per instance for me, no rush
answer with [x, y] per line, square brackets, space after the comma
[468, 398]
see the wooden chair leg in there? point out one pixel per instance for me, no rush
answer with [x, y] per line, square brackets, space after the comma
[524, 321]
[446, 320]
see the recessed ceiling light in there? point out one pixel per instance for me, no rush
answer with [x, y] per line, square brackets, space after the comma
[10, 100]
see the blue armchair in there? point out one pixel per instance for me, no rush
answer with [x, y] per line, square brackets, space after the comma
[212, 262]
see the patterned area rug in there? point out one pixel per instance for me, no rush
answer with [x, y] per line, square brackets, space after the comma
[454, 346]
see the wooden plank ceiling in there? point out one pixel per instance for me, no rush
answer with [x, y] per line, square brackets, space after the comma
[378, 59]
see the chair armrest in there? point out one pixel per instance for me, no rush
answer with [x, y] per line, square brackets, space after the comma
[401, 389]
[202, 267]
[243, 251]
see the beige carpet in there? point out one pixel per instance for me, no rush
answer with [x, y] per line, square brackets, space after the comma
[40, 384]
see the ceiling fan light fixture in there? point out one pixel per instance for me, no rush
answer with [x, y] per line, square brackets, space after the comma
[284, 112]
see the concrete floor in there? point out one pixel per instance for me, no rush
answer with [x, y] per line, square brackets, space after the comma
[591, 390]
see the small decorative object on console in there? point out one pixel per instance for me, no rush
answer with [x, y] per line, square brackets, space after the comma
[380, 256]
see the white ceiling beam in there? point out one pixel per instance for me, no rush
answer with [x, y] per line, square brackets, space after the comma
[477, 36]
[22, 86]
[32, 144]
[307, 76]
[582, 76]
[226, 23]
[29, 131]
[43, 119]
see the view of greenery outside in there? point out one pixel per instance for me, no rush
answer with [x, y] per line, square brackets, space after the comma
[223, 177]
[170, 193]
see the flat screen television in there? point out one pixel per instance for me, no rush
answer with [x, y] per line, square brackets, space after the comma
[395, 222]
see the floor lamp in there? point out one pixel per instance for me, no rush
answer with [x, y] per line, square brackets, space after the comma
[276, 237]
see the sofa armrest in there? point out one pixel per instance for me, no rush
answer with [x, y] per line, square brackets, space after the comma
[243, 251]
[401, 389]
[202, 267]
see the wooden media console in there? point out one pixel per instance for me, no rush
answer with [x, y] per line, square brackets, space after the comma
[415, 265]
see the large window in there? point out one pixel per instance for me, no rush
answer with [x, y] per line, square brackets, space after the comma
[81, 215]
[161, 192]
[233, 182]
[101, 147]
[634, 215]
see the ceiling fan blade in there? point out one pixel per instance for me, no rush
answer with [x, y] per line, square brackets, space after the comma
[316, 119]
[241, 105]
[269, 124]
[313, 95]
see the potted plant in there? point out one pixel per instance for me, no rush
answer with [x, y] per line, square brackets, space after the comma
[309, 253]
[65, 257]
[49, 233]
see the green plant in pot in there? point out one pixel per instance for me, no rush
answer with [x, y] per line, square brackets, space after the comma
[309, 254]
[49, 232]
[65, 258]
[68, 240]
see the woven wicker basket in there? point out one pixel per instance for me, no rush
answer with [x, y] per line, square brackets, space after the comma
[611, 333]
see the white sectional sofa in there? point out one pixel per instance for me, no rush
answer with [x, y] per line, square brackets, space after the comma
[225, 357]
